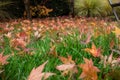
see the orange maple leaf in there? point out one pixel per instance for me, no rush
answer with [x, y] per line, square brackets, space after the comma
[89, 71]
[67, 60]
[94, 51]
[37, 74]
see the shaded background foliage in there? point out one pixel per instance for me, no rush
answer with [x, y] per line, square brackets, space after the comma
[60, 7]
[88, 8]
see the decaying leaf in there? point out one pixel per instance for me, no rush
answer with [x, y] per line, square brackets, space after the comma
[37, 74]
[94, 51]
[89, 71]
[69, 66]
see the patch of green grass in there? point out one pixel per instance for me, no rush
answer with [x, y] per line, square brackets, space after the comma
[19, 67]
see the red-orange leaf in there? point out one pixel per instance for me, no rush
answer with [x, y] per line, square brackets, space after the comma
[89, 71]
[3, 59]
[94, 51]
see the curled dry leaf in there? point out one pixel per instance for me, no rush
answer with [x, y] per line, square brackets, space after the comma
[94, 51]
[89, 71]
[109, 60]
[37, 74]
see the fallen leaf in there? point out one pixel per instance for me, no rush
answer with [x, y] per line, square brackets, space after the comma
[3, 59]
[109, 60]
[89, 71]
[18, 43]
[53, 51]
[37, 74]
[67, 60]
[94, 51]
[112, 44]
[64, 67]
[69, 66]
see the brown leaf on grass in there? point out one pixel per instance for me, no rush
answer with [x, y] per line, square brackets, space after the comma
[3, 59]
[53, 51]
[67, 60]
[69, 66]
[97, 33]
[89, 71]
[94, 51]
[36, 73]
[112, 44]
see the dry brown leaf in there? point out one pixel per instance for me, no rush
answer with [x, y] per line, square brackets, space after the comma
[112, 44]
[67, 60]
[53, 51]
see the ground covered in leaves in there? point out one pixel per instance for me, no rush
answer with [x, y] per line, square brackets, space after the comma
[60, 48]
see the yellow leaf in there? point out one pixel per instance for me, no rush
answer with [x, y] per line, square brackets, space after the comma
[117, 31]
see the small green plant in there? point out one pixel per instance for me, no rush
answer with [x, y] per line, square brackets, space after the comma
[89, 7]
[92, 8]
